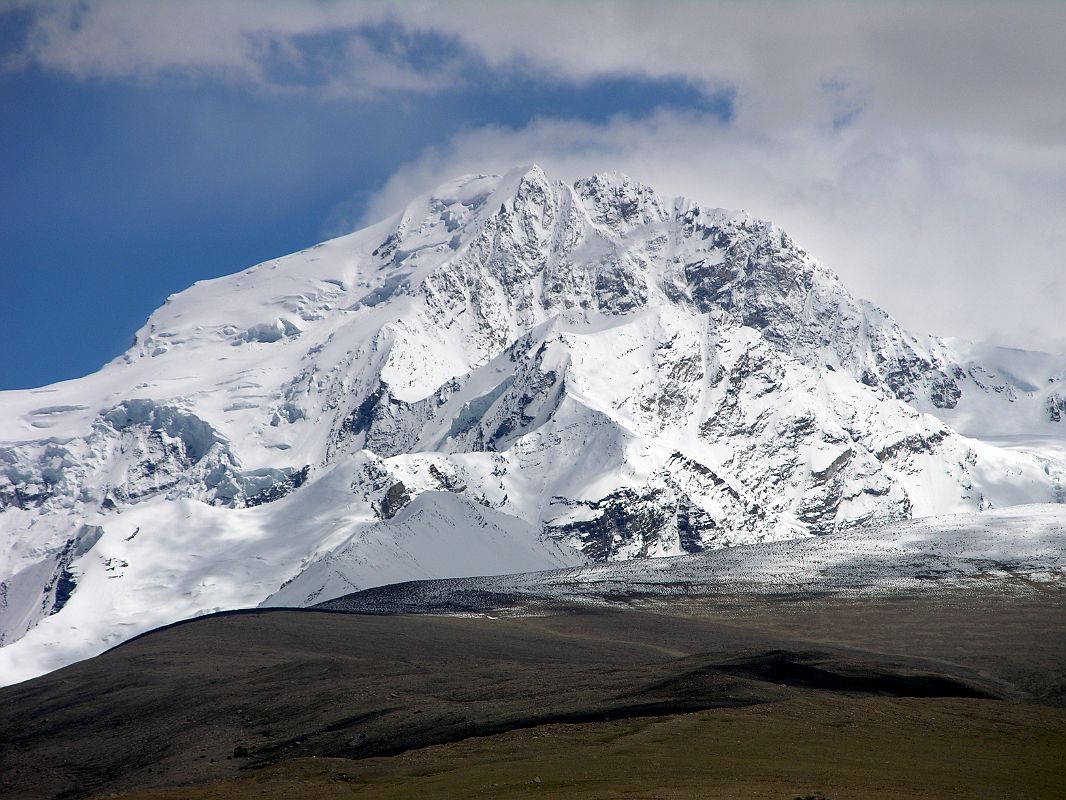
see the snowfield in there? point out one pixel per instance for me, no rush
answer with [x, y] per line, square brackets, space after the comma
[512, 374]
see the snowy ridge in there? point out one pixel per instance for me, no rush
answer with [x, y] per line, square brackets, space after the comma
[543, 371]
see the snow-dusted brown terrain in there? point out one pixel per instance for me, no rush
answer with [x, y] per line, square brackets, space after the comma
[1021, 549]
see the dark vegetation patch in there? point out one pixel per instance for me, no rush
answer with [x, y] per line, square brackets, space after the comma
[817, 748]
[178, 705]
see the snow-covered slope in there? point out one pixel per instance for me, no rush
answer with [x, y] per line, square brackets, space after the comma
[513, 373]
[159, 562]
[1022, 548]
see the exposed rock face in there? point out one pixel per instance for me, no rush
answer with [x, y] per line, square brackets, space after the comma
[1056, 407]
[146, 449]
[593, 371]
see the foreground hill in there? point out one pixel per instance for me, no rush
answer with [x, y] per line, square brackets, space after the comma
[734, 685]
[967, 750]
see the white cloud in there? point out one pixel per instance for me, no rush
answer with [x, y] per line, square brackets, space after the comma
[232, 41]
[976, 66]
[953, 234]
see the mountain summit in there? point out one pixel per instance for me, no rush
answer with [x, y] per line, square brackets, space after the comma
[512, 374]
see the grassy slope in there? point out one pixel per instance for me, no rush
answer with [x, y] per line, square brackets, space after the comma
[840, 748]
[169, 708]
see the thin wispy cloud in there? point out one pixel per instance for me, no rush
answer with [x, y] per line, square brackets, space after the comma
[351, 52]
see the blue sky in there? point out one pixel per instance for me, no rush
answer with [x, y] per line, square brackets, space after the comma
[147, 146]
[120, 192]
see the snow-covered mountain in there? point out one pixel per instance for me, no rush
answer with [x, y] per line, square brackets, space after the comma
[514, 373]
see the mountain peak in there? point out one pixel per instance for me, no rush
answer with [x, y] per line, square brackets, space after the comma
[615, 200]
[585, 371]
